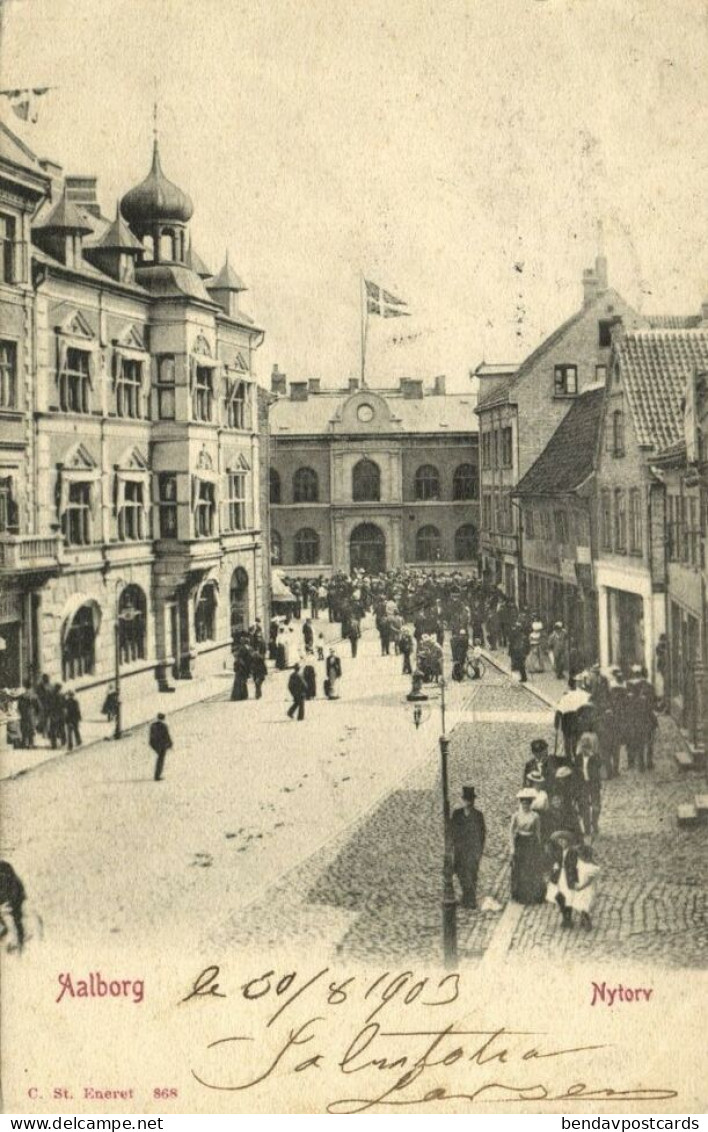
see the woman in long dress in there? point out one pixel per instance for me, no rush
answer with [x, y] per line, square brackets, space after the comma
[527, 884]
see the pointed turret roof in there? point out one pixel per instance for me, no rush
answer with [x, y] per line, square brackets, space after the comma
[156, 198]
[119, 237]
[227, 279]
[196, 264]
[65, 217]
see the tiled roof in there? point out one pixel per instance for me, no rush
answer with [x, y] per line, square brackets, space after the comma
[65, 217]
[568, 458]
[673, 321]
[446, 413]
[655, 366]
[496, 396]
[673, 454]
[227, 279]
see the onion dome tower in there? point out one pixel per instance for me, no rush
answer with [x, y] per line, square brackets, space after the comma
[158, 212]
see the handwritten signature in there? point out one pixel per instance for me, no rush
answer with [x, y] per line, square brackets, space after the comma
[476, 1066]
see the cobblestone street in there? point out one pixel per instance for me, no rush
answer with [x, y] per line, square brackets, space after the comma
[375, 893]
[330, 833]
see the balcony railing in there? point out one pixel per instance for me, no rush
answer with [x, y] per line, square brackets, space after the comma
[20, 553]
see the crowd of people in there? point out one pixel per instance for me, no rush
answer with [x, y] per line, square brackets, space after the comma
[44, 708]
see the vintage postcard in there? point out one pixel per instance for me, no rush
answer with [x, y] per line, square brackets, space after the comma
[353, 574]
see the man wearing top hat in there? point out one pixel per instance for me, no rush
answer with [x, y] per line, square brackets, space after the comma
[468, 837]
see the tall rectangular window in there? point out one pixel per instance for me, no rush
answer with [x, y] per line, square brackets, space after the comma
[166, 387]
[8, 506]
[506, 453]
[235, 404]
[128, 388]
[605, 522]
[8, 375]
[75, 382]
[620, 521]
[635, 521]
[486, 512]
[236, 503]
[203, 393]
[618, 433]
[560, 524]
[694, 531]
[167, 504]
[130, 515]
[529, 522]
[76, 520]
[204, 510]
[565, 381]
[8, 249]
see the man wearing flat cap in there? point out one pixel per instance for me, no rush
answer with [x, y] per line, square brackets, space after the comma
[468, 837]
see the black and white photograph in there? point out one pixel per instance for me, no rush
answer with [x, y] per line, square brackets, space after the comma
[353, 575]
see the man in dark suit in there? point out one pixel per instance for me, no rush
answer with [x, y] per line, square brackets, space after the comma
[298, 691]
[468, 837]
[160, 742]
[538, 763]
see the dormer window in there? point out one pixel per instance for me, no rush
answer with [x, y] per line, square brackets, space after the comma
[565, 381]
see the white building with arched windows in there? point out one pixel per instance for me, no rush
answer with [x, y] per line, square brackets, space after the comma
[372, 478]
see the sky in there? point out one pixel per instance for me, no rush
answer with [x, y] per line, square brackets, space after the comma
[472, 157]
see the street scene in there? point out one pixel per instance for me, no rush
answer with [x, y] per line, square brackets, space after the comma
[353, 492]
[330, 833]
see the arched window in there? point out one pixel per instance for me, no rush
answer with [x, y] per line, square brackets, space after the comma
[132, 609]
[205, 614]
[428, 545]
[464, 482]
[366, 482]
[78, 655]
[466, 543]
[305, 486]
[276, 549]
[274, 486]
[427, 482]
[307, 547]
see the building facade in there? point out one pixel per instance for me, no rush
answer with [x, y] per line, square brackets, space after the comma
[519, 412]
[556, 503]
[131, 527]
[643, 416]
[372, 478]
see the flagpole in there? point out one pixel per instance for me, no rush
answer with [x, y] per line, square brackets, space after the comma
[364, 327]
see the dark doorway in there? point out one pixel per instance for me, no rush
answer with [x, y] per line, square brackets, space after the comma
[367, 548]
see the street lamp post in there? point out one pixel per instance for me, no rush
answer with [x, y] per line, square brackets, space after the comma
[449, 901]
[117, 729]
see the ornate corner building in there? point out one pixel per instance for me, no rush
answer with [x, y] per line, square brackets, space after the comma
[132, 436]
[372, 478]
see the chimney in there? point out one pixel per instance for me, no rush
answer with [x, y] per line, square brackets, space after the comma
[313, 385]
[298, 390]
[590, 286]
[601, 273]
[412, 389]
[353, 384]
[278, 382]
[81, 191]
[439, 385]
